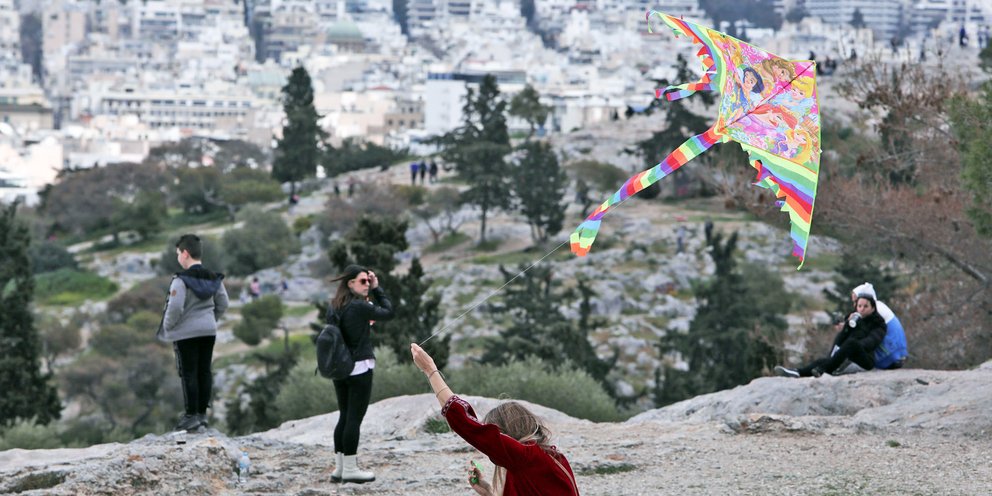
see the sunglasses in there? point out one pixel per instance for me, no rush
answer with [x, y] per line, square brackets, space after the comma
[362, 281]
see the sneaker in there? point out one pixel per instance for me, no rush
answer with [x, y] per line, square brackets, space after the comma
[816, 372]
[784, 372]
[188, 422]
[202, 417]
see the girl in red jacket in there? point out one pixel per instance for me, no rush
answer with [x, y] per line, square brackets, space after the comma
[513, 438]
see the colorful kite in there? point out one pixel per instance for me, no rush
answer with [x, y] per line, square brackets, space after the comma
[769, 107]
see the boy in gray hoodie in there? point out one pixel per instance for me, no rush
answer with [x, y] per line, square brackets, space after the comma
[197, 299]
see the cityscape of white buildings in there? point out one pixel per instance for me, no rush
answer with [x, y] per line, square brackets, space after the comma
[104, 82]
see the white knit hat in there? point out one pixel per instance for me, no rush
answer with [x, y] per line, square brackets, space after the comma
[865, 289]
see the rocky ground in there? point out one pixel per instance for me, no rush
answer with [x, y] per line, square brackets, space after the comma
[905, 432]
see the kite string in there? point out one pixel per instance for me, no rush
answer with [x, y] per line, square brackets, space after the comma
[490, 295]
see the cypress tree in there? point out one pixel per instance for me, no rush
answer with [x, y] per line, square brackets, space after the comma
[27, 393]
[539, 185]
[298, 151]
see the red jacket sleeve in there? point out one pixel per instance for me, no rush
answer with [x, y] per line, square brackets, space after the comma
[501, 449]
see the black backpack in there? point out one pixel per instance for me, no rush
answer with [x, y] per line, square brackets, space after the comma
[334, 360]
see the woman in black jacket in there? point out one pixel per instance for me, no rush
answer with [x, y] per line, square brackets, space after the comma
[856, 342]
[358, 303]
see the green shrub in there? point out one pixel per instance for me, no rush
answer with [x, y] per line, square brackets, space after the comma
[301, 224]
[47, 257]
[70, 287]
[264, 241]
[436, 425]
[411, 195]
[601, 176]
[567, 390]
[148, 295]
[395, 379]
[252, 332]
[26, 434]
[305, 394]
[267, 309]
[258, 319]
[115, 339]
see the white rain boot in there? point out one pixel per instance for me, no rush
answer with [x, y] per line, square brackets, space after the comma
[338, 463]
[351, 472]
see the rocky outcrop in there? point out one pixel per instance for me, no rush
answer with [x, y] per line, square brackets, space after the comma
[888, 432]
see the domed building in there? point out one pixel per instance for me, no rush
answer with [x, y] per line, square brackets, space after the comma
[346, 36]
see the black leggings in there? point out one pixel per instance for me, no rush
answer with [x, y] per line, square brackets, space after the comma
[353, 395]
[193, 358]
[852, 349]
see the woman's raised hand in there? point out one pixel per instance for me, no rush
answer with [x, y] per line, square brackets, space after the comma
[373, 280]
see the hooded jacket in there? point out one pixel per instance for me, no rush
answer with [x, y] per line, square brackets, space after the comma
[197, 299]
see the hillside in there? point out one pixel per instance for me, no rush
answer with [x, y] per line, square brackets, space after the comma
[896, 432]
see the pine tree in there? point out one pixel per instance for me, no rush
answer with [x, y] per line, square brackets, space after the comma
[484, 167]
[737, 332]
[27, 393]
[539, 328]
[527, 105]
[857, 19]
[401, 16]
[490, 109]
[539, 185]
[298, 152]
[971, 118]
[478, 148]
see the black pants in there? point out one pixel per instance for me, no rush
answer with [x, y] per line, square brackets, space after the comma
[193, 357]
[353, 401]
[854, 350]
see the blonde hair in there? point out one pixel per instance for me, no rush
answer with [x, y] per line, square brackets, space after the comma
[516, 421]
[769, 66]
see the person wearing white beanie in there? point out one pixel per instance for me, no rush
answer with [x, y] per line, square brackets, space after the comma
[856, 342]
[892, 353]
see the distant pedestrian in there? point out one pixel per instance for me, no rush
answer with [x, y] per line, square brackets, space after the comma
[351, 187]
[414, 168]
[433, 171]
[423, 172]
[337, 189]
[254, 289]
[680, 239]
[197, 299]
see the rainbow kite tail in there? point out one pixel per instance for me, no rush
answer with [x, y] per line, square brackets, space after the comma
[581, 240]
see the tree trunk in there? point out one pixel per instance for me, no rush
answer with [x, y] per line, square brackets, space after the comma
[482, 235]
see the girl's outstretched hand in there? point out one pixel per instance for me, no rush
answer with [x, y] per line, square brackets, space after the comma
[423, 361]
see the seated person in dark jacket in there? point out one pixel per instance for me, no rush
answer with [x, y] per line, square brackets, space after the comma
[855, 342]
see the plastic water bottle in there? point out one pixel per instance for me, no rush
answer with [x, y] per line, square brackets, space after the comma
[244, 467]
